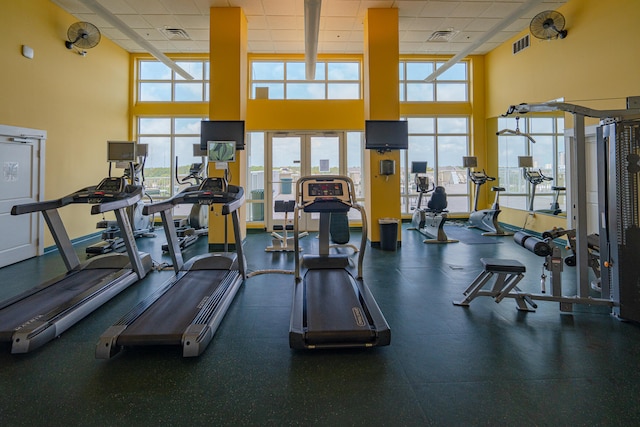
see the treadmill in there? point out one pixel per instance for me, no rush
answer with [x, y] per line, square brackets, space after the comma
[332, 306]
[35, 317]
[187, 309]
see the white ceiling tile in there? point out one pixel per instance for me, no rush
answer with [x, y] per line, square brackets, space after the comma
[250, 7]
[341, 22]
[180, 7]
[483, 24]
[287, 35]
[265, 46]
[340, 8]
[282, 7]
[160, 21]
[500, 10]
[148, 6]
[135, 21]
[415, 36]
[439, 9]
[337, 23]
[198, 35]
[288, 47]
[289, 22]
[193, 21]
[410, 8]
[118, 6]
[470, 10]
[257, 22]
[259, 34]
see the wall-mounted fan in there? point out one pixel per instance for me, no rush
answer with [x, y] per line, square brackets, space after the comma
[548, 25]
[82, 35]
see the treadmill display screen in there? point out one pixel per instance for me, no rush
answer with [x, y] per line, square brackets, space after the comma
[215, 185]
[111, 185]
[325, 189]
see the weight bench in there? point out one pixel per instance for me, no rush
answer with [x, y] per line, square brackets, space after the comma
[509, 273]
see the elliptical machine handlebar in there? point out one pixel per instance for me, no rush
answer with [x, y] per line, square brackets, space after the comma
[480, 178]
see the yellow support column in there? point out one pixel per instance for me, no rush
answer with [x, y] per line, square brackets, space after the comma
[227, 100]
[382, 102]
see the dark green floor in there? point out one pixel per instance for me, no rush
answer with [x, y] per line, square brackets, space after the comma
[446, 365]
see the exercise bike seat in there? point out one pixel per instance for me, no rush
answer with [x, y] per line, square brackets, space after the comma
[438, 200]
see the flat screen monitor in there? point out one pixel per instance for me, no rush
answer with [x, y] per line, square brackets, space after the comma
[198, 151]
[121, 151]
[386, 135]
[418, 167]
[222, 151]
[222, 130]
[142, 150]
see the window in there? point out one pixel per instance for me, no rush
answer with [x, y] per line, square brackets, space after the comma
[287, 80]
[442, 142]
[168, 138]
[256, 179]
[158, 83]
[548, 156]
[450, 86]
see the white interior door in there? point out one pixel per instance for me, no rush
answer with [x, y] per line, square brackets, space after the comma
[22, 163]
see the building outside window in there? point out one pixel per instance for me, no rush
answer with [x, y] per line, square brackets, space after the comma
[159, 83]
[548, 158]
[171, 141]
[450, 86]
[287, 80]
[442, 142]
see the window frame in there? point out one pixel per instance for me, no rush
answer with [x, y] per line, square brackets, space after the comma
[404, 82]
[322, 79]
[174, 81]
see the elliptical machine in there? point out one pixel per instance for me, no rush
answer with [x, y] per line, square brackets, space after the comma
[189, 229]
[131, 157]
[430, 221]
[485, 219]
[535, 178]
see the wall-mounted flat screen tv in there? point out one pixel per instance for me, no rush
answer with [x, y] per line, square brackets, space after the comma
[386, 135]
[222, 130]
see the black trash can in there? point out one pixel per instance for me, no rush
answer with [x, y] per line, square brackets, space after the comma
[388, 234]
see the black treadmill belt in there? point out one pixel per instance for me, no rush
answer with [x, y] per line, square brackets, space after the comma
[334, 313]
[49, 298]
[166, 320]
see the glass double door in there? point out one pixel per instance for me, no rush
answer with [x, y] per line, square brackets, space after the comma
[295, 154]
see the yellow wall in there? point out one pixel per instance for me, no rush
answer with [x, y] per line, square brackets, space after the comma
[228, 95]
[80, 101]
[382, 102]
[593, 66]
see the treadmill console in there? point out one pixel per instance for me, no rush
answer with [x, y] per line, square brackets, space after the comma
[326, 195]
[109, 189]
[211, 190]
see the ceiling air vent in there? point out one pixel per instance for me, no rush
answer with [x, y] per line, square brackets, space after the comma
[174, 33]
[521, 44]
[443, 35]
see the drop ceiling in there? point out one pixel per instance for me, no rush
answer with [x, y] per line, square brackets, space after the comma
[276, 26]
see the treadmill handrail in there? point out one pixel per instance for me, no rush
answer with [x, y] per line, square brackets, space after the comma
[135, 192]
[131, 195]
[190, 195]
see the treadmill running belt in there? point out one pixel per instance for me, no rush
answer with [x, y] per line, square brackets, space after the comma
[49, 298]
[334, 313]
[164, 322]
